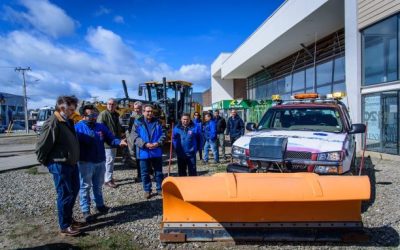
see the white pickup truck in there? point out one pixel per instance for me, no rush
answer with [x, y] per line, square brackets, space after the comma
[308, 134]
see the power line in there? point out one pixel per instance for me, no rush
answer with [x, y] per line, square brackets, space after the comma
[20, 69]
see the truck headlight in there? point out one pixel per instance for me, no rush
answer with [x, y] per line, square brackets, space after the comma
[238, 151]
[326, 170]
[239, 156]
[330, 156]
[240, 161]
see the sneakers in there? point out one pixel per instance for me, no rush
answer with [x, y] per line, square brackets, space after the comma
[103, 209]
[147, 195]
[204, 162]
[110, 184]
[69, 231]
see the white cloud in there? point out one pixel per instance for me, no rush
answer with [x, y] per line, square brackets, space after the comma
[42, 16]
[102, 11]
[94, 71]
[119, 19]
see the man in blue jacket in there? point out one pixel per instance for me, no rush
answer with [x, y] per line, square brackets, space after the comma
[210, 138]
[185, 139]
[148, 135]
[235, 126]
[199, 123]
[92, 136]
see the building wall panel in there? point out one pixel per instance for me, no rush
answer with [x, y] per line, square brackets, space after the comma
[372, 11]
[239, 89]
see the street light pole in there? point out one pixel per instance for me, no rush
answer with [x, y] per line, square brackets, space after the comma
[19, 69]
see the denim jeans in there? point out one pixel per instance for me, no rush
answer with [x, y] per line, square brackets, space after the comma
[221, 143]
[111, 153]
[91, 176]
[145, 166]
[66, 182]
[189, 163]
[213, 145]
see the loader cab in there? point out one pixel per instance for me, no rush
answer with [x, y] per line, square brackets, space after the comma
[174, 97]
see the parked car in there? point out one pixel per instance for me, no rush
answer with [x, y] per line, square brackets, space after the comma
[308, 134]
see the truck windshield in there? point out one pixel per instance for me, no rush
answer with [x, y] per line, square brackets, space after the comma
[312, 119]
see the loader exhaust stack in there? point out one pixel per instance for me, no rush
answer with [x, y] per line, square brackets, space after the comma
[262, 206]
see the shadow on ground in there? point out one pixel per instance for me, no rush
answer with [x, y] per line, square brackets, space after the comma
[53, 246]
[128, 213]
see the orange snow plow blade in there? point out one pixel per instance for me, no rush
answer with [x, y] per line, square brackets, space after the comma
[235, 206]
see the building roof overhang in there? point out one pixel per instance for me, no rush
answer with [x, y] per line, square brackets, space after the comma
[296, 22]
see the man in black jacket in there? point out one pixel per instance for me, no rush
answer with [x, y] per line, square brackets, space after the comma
[58, 149]
[235, 126]
[221, 126]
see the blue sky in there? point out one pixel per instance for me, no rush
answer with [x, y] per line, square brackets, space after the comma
[86, 47]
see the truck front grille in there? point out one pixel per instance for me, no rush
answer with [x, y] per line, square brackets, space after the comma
[298, 155]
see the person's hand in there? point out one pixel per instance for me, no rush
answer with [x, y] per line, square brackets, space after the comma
[123, 143]
[152, 145]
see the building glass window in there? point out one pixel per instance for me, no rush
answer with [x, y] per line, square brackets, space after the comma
[310, 78]
[298, 81]
[339, 69]
[288, 83]
[327, 89]
[339, 87]
[324, 73]
[380, 52]
[281, 86]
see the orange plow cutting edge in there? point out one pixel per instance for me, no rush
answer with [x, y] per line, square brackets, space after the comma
[262, 206]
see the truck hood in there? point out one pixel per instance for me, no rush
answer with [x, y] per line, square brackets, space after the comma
[306, 141]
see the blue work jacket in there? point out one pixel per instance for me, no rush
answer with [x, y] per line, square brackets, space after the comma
[210, 130]
[92, 139]
[186, 139]
[143, 132]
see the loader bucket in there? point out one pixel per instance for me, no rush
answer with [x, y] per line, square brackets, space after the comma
[261, 206]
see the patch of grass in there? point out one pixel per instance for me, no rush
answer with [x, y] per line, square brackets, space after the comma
[32, 170]
[116, 241]
[23, 231]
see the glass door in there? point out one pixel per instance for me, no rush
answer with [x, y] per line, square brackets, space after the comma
[389, 122]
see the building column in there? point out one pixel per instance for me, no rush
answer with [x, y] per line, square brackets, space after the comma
[353, 62]
[221, 89]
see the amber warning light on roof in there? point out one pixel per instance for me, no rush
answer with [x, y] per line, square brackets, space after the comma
[306, 96]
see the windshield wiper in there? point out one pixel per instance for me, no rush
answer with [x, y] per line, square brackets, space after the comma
[307, 129]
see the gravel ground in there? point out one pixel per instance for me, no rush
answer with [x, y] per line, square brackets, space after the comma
[28, 214]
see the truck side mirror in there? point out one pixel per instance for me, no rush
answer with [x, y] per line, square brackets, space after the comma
[357, 128]
[251, 126]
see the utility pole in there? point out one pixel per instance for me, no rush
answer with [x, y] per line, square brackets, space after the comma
[19, 69]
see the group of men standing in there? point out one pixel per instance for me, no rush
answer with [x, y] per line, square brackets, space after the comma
[81, 156]
[190, 137]
[76, 156]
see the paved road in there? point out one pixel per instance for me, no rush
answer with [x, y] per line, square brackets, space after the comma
[16, 162]
[16, 148]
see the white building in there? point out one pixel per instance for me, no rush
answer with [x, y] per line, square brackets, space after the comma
[324, 46]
